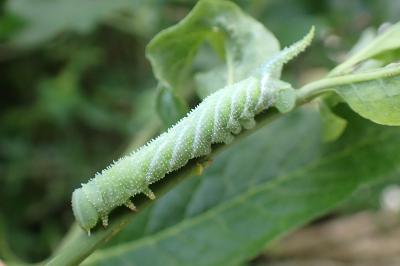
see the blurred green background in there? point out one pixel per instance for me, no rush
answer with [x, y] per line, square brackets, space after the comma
[77, 90]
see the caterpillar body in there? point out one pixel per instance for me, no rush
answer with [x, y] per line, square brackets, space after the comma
[217, 119]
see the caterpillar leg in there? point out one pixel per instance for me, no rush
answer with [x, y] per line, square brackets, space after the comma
[248, 123]
[200, 166]
[104, 220]
[227, 138]
[130, 205]
[198, 170]
[150, 194]
[234, 126]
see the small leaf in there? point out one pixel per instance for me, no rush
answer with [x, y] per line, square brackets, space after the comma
[333, 126]
[376, 99]
[373, 94]
[241, 42]
[170, 107]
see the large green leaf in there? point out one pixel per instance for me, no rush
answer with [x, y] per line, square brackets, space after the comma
[242, 203]
[242, 42]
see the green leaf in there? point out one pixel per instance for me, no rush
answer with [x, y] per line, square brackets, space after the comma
[170, 107]
[373, 94]
[386, 41]
[242, 203]
[8, 26]
[333, 125]
[240, 41]
[377, 100]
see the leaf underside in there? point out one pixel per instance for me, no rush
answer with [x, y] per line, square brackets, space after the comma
[239, 40]
[377, 100]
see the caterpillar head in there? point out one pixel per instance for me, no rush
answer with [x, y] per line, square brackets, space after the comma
[84, 212]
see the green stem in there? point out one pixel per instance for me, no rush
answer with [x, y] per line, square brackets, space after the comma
[311, 90]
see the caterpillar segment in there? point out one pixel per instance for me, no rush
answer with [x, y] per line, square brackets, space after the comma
[220, 117]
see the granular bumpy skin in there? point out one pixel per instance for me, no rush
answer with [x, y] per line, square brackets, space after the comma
[220, 117]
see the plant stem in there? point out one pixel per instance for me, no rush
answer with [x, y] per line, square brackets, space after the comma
[313, 89]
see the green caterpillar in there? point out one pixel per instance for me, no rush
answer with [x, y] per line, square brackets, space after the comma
[216, 120]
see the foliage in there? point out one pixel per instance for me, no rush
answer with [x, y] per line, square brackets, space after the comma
[77, 91]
